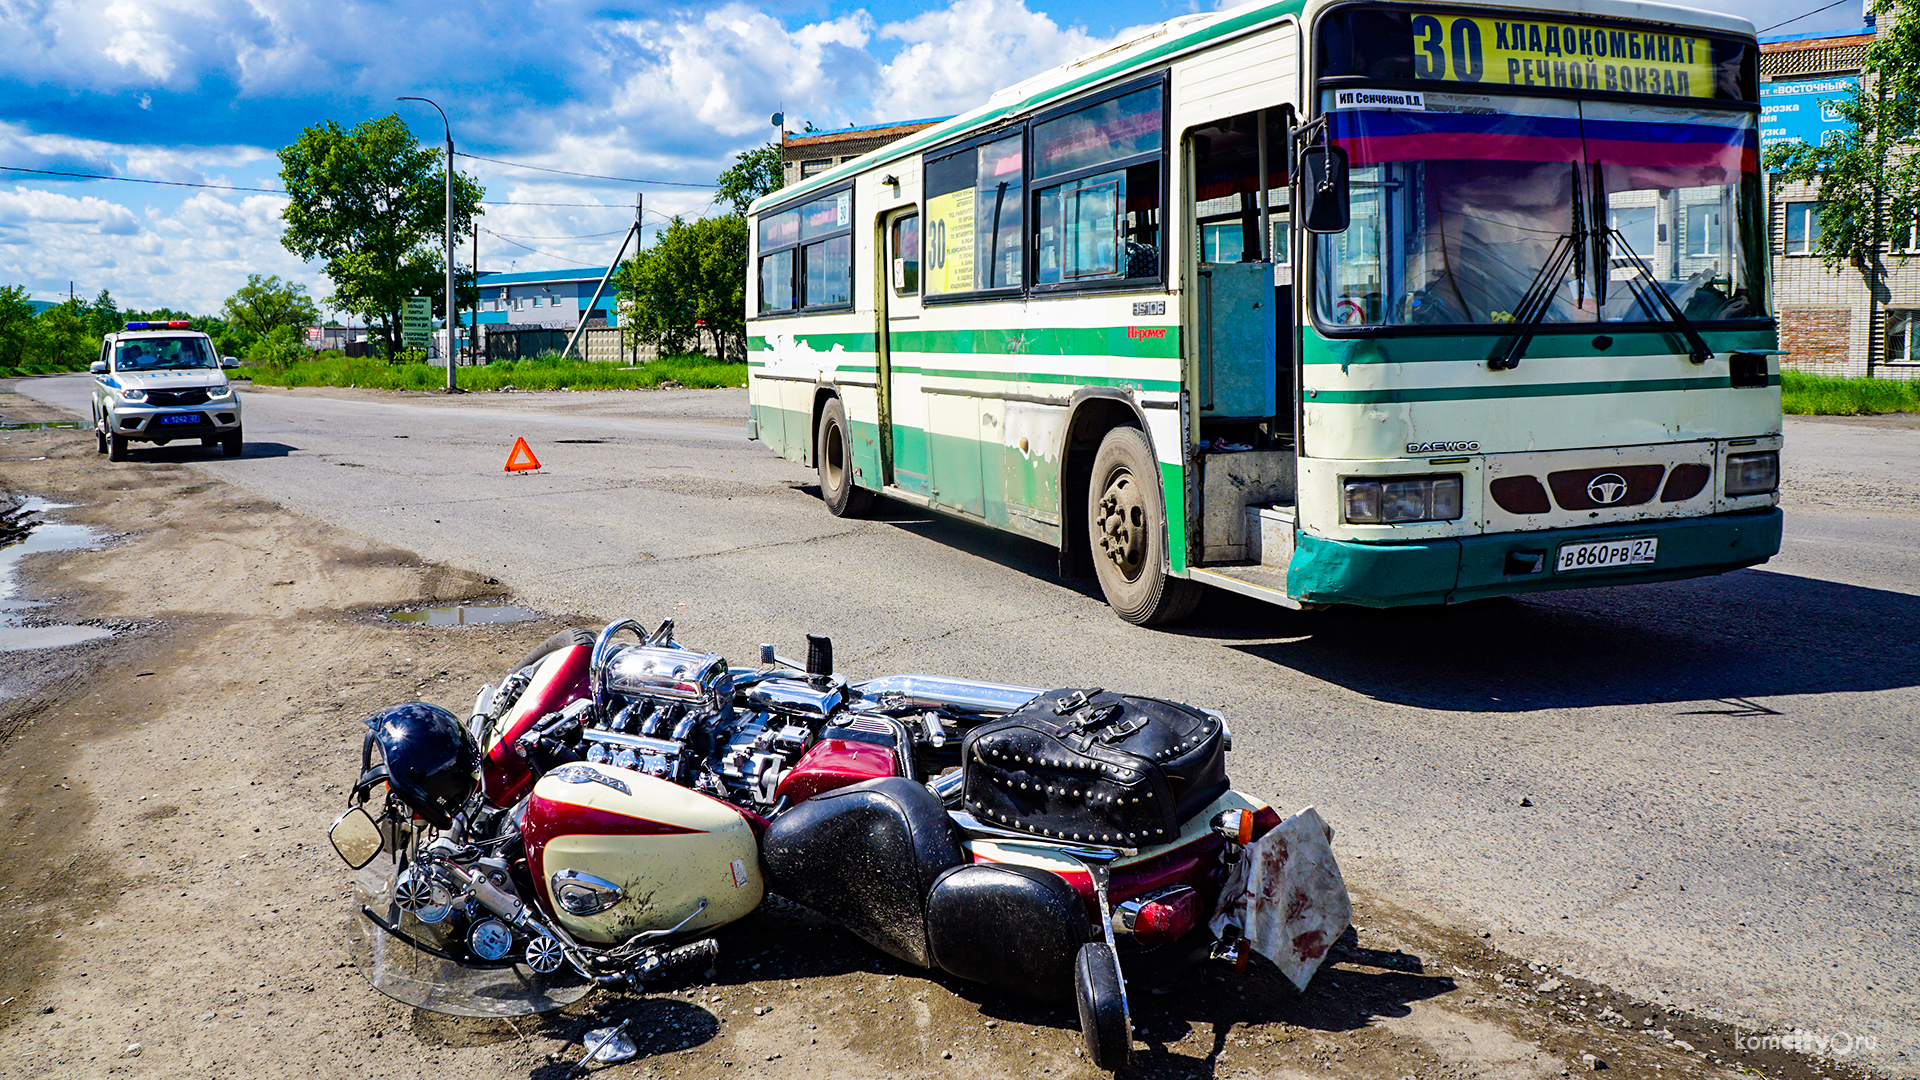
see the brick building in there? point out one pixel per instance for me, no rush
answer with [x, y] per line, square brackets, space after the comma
[812, 152]
[1830, 320]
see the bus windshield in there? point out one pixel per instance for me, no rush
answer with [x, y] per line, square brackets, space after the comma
[1460, 200]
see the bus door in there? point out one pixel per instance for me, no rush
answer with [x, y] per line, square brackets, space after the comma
[1242, 379]
[903, 441]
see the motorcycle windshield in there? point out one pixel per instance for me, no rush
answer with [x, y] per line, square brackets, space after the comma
[409, 975]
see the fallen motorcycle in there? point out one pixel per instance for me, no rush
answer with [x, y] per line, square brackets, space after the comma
[609, 804]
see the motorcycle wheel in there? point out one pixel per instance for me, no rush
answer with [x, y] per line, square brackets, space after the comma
[565, 639]
[1102, 997]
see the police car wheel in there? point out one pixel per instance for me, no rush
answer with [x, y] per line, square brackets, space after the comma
[116, 448]
[232, 444]
[99, 441]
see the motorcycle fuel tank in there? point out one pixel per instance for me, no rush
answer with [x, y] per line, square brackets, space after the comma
[558, 680]
[614, 852]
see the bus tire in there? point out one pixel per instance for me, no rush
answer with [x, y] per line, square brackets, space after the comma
[1126, 534]
[833, 460]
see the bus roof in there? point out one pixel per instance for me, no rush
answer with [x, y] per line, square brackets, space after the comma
[1155, 44]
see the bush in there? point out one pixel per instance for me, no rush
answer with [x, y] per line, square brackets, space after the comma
[279, 350]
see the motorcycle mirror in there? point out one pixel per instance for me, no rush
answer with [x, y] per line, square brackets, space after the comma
[356, 836]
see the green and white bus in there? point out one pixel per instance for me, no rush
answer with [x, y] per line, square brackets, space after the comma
[1357, 302]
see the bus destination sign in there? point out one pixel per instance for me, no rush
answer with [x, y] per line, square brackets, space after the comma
[1572, 56]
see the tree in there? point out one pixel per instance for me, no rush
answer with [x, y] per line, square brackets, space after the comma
[370, 204]
[754, 173]
[1869, 175]
[695, 273]
[266, 302]
[16, 325]
[62, 338]
[103, 315]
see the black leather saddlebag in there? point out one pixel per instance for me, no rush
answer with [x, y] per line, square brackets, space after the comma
[1015, 928]
[866, 856]
[1095, 766]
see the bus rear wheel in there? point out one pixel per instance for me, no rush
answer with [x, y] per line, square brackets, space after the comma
[833, 460]
[1126, 534]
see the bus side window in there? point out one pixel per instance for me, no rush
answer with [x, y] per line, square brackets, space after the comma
[1097, 191]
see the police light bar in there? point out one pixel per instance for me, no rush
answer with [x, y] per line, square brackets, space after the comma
[177, 324]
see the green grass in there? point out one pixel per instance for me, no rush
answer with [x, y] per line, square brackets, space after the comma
[545, 373]
[42, 368]
[1802, 394]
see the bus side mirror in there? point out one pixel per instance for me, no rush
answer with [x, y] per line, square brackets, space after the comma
[1323, 189]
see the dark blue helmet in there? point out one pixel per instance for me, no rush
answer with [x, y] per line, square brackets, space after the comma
[432, 762]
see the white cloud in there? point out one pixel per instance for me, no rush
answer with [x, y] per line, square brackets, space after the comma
[954, 57]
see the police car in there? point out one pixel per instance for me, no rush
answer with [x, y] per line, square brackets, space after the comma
[156, 382]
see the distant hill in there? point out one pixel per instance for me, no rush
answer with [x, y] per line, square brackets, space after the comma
[39, 306]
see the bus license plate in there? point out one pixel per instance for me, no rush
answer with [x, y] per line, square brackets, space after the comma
[1605, 553]
[180, 418]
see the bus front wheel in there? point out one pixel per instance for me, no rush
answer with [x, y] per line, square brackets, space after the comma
[1126, 534]
[833, 459]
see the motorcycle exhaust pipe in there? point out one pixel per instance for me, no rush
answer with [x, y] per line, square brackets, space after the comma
[940, 692]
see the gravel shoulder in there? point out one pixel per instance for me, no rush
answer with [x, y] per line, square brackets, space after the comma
[172, 908]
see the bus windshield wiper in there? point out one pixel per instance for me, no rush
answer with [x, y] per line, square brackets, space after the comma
[1534, 304]
[1643, 282]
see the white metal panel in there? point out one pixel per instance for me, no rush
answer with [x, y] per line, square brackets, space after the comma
[1258, 71]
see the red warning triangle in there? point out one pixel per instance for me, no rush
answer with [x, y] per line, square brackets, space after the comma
[522, 457]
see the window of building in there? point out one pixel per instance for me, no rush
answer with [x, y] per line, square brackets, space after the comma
[974, 216]
[1903, 336]
[1704, 222]
[1096, 178]
[1801, 233]
[815, 167]
[1908, 243]
[806, 255]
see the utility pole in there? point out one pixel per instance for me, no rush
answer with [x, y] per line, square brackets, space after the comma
[632, 232]
[453, 310]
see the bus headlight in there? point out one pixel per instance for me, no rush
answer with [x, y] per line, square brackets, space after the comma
[1753, 474]
[1402, 500]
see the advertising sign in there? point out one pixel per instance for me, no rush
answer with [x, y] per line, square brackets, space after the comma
[950, 242]
[416, 322]
[1801, 110]
[1576, 56]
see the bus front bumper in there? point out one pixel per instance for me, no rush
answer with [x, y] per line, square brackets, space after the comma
[1471, 567]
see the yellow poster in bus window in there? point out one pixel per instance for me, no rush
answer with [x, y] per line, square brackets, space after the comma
[1574, 56]
[949, 242]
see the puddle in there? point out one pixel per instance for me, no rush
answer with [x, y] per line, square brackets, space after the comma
[24, 531]
[59, 425]
[464, 615]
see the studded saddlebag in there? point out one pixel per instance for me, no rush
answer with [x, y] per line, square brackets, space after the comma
[1095, 766]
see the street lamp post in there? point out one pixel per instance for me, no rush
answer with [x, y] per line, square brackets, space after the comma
[453, 312]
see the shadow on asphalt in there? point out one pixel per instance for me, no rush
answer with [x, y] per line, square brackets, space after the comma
[1725, 639]
[1728, 639]
[184, 452]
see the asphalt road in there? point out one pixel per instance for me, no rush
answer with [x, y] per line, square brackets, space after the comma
[1702, 793]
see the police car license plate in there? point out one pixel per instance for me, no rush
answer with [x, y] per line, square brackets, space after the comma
[1605, 553]
[181, 418]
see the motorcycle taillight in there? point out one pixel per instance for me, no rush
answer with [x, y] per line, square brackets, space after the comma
[1166, 918]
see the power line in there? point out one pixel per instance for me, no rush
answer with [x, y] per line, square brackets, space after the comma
[1808, 15]
[277, 191]
[589, 176]
[583, 205]
[582, 236]
[518, 244]
[139, 180]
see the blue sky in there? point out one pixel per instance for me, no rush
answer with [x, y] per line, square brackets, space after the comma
[204, 91]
